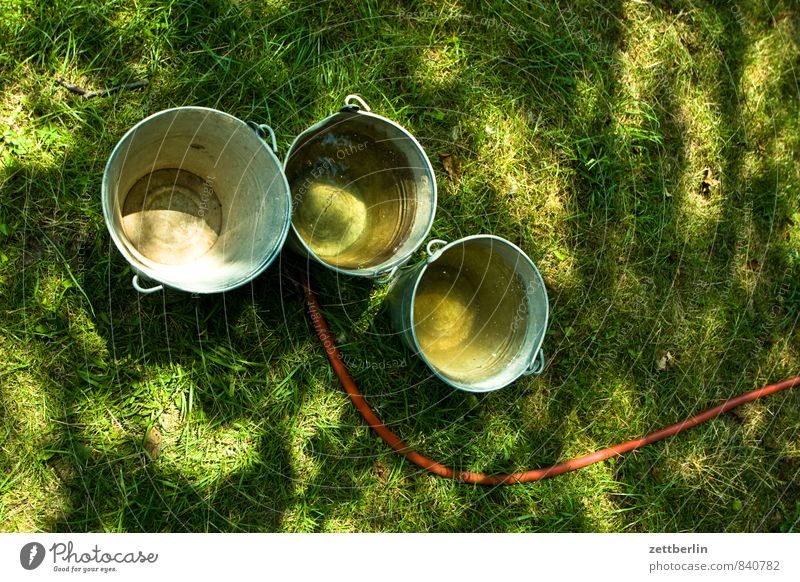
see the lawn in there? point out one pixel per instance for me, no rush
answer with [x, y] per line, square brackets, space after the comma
[646, 155]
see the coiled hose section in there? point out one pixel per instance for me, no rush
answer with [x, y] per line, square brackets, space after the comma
[325, 336]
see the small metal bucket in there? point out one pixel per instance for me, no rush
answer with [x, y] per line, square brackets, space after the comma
[364, 192]
[475, 311]
[195, 200]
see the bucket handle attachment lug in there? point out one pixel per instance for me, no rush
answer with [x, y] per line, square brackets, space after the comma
[145, 290]
[434, 254]
[536, 366]
[263, 130]
[387, 276]
[359, 102]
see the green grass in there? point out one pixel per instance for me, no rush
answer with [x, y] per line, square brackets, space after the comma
[583, 134]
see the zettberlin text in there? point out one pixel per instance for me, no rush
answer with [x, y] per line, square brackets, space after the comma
[674, 549]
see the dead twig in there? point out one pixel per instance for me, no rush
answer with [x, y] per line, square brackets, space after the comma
[89, 94]
[72, 88]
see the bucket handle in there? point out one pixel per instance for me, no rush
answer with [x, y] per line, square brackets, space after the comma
[536, 366]
[359, 102]
[434, 254]
[145, 290]
[262, 130]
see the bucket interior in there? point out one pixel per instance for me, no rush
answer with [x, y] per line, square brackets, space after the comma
[363, 191]
[479, 313]
[196, 200]
[172, 216]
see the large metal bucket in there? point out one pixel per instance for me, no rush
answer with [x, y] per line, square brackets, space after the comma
[195, 200]
[364, 192]
[475, 311]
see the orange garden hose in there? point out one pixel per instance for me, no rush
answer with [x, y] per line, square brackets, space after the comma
[325, 336]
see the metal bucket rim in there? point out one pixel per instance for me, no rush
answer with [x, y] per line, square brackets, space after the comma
[388, 265]
[142, 268]
[418, 279]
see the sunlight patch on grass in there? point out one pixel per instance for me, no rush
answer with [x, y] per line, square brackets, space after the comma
[658, 66]
[92, 344]
[600, 509]
[25, 137]
[439, 66]
[31, 494]
[214, 453]
[783, 356]
[15, 108]
[32, 399]
[321, 408]
[35, 501]
[620, 412]
[766, 62]
[701, 468]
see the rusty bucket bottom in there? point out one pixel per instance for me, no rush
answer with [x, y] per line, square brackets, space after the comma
[172, 216]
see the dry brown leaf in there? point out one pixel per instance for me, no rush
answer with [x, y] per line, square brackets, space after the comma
[708, 182]
[452, 167]
[380, 470]
[152, 443]
[664, 360]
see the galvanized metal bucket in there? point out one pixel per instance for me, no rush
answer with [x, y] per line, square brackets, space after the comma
[364, 192]
[195, 200]
[475, 311]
